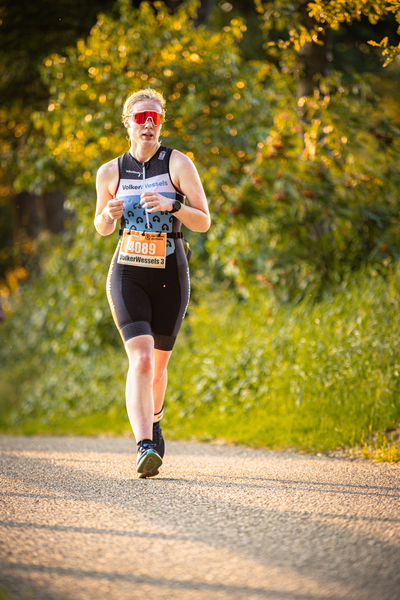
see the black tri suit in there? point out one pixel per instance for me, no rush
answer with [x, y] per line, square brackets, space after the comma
[146, 300]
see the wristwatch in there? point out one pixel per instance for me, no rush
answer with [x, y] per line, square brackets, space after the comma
[176, 206]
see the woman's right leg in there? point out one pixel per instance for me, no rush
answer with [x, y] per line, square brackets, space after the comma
[128, 295]
[139, 386]
[140, 404]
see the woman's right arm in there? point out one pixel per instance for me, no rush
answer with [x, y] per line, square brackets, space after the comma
[108, 209]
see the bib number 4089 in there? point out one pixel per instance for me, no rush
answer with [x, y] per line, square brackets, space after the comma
[143, 249]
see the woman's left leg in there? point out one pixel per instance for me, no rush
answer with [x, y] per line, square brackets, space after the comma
[161, 359]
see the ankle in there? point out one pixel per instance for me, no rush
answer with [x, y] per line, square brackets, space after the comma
[144, 441]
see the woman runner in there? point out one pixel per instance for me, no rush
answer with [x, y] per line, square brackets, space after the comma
[148, 282]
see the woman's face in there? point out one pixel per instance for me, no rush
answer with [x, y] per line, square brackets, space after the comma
[148, 133]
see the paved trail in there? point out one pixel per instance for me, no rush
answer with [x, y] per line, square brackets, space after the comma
[218, 523]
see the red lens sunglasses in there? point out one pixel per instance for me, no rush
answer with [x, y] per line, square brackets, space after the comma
[141, 117]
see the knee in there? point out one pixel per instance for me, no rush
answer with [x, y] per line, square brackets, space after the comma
[142, 362]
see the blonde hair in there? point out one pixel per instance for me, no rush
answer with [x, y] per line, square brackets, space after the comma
[146, 94]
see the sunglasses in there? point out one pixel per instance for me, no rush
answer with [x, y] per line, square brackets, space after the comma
[141, 117]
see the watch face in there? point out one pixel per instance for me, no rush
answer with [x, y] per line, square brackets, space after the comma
[176, 206]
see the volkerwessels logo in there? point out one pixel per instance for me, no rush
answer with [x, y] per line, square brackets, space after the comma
[131, 187]
[155, 184]
[141, 259]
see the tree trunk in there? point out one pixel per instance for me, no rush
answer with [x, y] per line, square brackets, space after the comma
[35, 213]
[54, 212]
[2, 313]
[202, 13]
[27, 221]
[313, 59]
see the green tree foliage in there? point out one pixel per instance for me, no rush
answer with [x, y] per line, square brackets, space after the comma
[301, 190]
[29, 32]
[198, 71]
[288, 16]
[337, 12]
[210, 94]
[320, 198]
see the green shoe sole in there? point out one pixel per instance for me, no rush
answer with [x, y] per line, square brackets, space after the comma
[149, 465]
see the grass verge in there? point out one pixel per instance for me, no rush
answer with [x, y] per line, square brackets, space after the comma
[315, 377]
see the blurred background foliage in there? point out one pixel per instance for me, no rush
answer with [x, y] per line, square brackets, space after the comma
[293, 124]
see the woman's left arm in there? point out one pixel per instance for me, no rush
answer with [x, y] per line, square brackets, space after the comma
[194, 215]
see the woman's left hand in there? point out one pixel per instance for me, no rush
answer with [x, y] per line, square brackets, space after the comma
[153, 202]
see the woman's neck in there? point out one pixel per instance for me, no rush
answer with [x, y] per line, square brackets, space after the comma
[141, 154]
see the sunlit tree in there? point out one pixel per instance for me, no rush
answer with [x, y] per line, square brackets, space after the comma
[217, 113]
[302, 188]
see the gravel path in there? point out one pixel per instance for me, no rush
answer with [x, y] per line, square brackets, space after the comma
[218, 523]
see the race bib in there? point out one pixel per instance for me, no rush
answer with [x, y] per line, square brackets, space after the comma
[143, 249]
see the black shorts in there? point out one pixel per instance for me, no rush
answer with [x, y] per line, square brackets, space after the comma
[150, 301]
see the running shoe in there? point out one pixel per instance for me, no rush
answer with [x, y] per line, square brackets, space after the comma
[148, 460]
[158, 439]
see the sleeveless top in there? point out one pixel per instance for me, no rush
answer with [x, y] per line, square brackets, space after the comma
[134, 179]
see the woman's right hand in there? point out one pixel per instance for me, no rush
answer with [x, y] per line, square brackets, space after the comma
[114, 209]
[108, 208]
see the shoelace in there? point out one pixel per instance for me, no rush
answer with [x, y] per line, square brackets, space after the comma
[146, 446]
